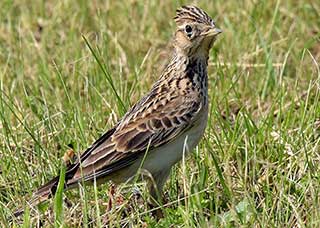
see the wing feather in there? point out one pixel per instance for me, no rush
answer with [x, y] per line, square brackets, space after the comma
[150, 123]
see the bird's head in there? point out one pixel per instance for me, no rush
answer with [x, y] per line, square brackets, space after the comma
[196, 31]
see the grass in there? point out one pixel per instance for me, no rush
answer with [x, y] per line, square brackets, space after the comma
[70, 70]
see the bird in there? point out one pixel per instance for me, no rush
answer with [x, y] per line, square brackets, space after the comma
[162, 127]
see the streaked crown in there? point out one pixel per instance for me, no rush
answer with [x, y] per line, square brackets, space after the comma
[191, 14]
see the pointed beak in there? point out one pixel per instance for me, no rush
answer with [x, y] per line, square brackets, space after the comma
[212, 31]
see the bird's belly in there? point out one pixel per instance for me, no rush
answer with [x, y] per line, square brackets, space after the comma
[167, 155]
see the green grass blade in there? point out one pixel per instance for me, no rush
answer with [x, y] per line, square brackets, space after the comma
[58, 198]
[121, 106]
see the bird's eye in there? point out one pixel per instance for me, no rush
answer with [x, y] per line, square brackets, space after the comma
[188, 30]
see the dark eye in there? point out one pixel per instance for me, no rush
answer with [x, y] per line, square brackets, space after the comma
[188, 30]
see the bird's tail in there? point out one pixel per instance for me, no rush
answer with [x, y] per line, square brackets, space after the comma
[41, 195]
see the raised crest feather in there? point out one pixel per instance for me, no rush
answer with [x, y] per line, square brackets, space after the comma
[192, 14]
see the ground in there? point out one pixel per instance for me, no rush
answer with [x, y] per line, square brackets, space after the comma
[69, 70]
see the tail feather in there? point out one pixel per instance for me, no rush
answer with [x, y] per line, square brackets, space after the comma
[49, 189]
[45, 192]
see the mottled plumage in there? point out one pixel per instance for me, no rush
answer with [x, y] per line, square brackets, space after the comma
[170, 119]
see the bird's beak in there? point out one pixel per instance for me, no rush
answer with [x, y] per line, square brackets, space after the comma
[212, 31]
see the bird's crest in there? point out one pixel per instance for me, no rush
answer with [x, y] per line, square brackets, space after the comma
[192, 14]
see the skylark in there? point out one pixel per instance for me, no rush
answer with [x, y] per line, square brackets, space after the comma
[167, 122]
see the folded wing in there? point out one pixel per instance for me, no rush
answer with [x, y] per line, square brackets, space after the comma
[149, 124]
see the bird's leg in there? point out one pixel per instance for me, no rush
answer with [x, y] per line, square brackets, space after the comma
[155, 185]
[111, 194]
[156, 202]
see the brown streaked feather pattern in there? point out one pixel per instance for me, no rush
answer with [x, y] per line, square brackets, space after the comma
[168, 110]
[176, 106]
[152, 124]
[193, 14]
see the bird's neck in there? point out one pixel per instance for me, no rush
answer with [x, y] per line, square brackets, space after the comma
[196, 72]
[181, 65]
[188, 73]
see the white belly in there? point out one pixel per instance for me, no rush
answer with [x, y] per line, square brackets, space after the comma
[163, 158]
[169, 154]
